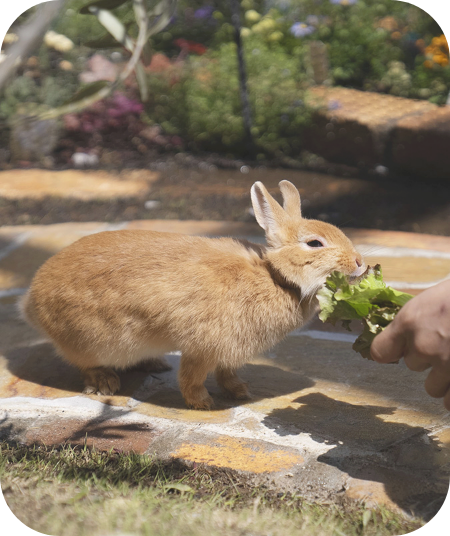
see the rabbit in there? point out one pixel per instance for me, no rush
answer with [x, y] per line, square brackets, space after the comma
[119, 299]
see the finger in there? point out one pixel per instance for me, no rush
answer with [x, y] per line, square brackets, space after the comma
[388, 346]
[416, 363]
[437, 384]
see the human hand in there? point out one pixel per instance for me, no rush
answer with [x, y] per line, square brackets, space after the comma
[420, 333]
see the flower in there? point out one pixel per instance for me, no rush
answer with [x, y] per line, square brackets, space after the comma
[190, 46]
[437, 53]
[334, 105]
[204, 12]
[265, 26]
[59, 42]
[344, 2]
[300, 29]
[10, 38]
[252, 16]
[276, 36]
[122, 105]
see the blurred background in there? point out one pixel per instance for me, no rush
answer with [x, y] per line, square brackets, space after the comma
[346, 98]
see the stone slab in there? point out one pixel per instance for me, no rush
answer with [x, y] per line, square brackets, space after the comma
[84, 185]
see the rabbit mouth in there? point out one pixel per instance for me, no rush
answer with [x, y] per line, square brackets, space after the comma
[358, 277]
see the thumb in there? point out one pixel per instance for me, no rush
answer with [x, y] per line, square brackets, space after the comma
[389, 345]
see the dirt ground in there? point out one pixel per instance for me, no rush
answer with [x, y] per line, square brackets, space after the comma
[214, 187]
[219, 189]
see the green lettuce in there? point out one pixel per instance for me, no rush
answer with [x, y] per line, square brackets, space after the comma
[366, 298]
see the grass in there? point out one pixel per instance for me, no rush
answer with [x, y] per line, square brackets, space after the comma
[77, 491]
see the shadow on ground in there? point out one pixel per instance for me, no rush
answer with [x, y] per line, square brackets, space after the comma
[402, 457]
[39, 365]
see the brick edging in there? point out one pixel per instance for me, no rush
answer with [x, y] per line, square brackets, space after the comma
[365, 129]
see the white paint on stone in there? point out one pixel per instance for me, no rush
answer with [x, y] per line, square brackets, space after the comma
[15, 243]
[324, 335]
[371, 250]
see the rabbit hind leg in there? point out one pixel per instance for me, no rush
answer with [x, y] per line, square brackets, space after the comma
[231, 384]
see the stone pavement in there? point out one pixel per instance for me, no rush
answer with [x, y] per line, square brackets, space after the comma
[322, 421]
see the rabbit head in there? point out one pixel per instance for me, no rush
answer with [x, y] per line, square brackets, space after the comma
[302, 252]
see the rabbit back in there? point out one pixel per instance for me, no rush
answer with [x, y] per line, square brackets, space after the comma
[115, 298]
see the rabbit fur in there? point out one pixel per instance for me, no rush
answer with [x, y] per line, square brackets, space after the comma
[119, 299]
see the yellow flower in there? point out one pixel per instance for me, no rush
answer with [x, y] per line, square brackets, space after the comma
[439, 58]
[59, 42]
[252, 16]
[10, 38]
[275, 36]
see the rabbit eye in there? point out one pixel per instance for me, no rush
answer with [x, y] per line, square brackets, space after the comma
[315, 244]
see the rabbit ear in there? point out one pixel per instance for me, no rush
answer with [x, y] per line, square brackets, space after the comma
[291, 199]
[268, 212]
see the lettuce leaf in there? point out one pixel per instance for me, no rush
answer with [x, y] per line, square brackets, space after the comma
[366, 298]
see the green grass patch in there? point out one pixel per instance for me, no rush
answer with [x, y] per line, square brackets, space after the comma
[77, 491]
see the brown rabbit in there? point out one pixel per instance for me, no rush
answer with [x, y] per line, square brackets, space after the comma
[116, 299]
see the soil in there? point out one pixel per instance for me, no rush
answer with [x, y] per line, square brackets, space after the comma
[210, 187]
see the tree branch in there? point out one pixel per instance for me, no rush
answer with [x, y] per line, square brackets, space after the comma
[30, 35]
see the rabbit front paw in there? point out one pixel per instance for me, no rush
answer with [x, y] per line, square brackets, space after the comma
[101, 381]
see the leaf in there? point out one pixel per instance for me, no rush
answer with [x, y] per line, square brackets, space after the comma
[87, 91]
[101, 4]
[367, 298]
[147, 53]
[115, 27]
[164, 11]
[77, 497]
[179, 487]
[107, 40]
[394, 296]
[142, 81]
[367, 515]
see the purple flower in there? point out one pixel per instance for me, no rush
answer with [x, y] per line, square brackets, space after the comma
[204, 12]
[344, 2]
[122, 105]
[334, 105]
[300, 29]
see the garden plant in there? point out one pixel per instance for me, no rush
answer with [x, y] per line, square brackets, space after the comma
[187, 76]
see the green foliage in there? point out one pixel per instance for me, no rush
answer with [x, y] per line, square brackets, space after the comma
[202, 102]
[79, 28]
[90, 493]
[368, 299]
[51, 91]
[371, 44]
